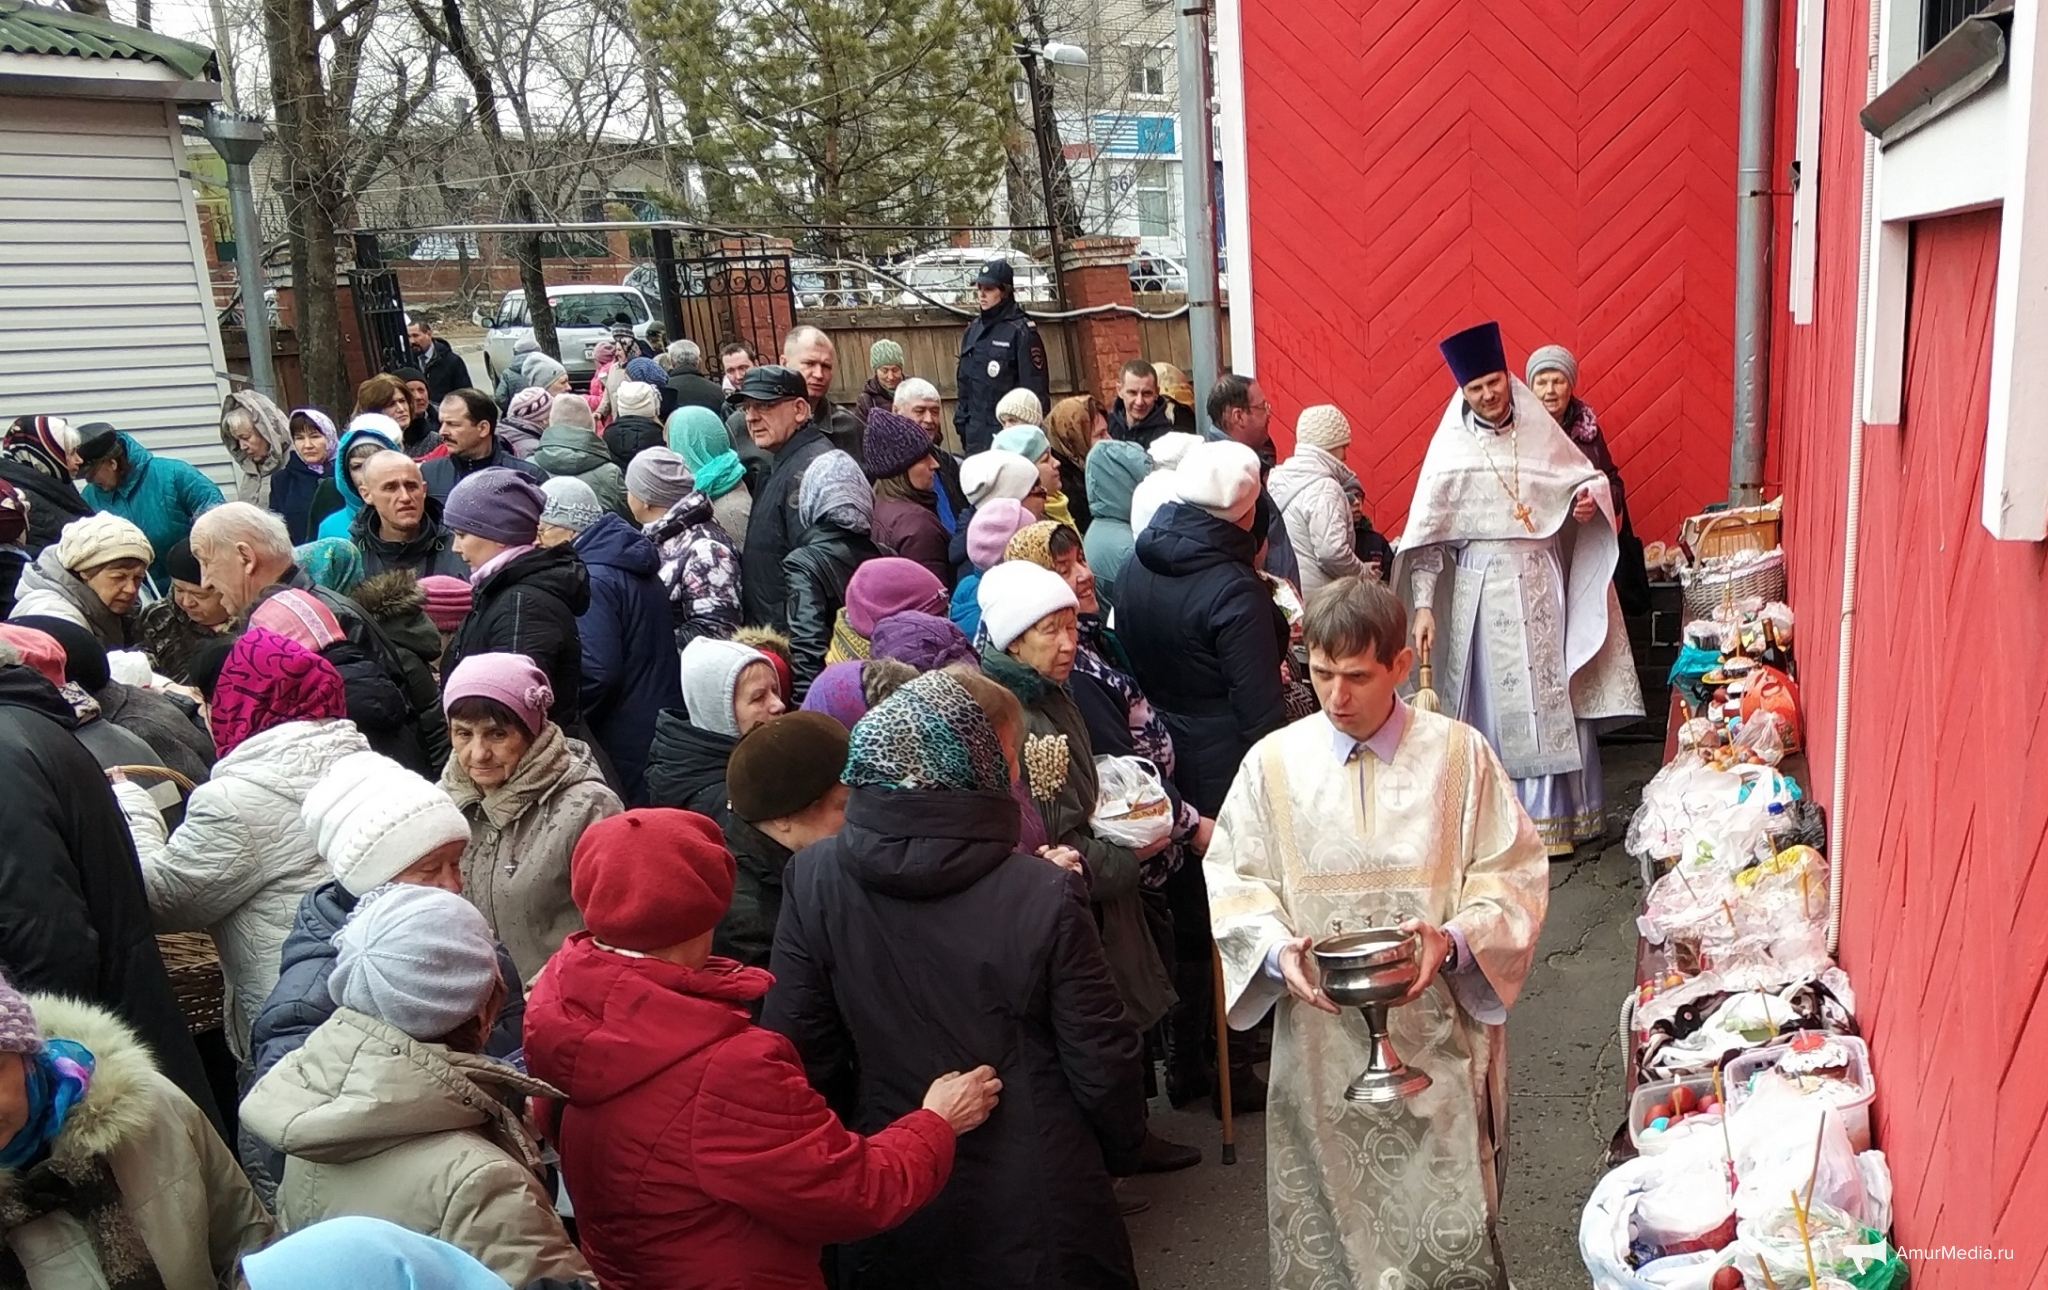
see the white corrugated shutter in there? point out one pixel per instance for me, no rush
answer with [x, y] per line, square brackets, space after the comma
[106, 313]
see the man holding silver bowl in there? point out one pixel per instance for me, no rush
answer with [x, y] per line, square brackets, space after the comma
[1377, 855]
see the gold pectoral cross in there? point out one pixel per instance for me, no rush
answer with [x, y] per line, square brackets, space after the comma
[1522, 513]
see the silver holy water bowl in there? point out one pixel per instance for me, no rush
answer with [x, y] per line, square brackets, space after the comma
[1369, 970]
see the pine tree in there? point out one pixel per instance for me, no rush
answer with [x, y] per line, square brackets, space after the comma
[840, 113]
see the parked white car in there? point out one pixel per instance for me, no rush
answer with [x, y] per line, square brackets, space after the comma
[584, 315]
[947, 276]
[1158, 273]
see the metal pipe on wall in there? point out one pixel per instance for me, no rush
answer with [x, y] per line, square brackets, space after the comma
[1753, 218]
[1198, 199]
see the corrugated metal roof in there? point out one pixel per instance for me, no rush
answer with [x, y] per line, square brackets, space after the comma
[38, 29]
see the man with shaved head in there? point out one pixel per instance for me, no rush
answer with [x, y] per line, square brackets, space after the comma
[808, 351]
[401, 527]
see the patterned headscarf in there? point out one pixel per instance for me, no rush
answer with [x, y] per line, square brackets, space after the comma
[930, 734]
[1033, 543]
[332, 562]
[266, 681]
[43, 443]
[835, 488]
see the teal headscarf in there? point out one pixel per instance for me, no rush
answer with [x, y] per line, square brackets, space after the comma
[930, 734]
[55, 1077]
[332, 562]
[697, 436]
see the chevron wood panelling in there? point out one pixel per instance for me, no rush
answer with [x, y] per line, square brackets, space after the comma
[1564, 166]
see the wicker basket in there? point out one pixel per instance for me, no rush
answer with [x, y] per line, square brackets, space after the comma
[194, 965]
[1706, 590]
[1751, 528]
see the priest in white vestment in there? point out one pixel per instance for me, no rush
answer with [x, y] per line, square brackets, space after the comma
[1508, 558]
[1365, 814]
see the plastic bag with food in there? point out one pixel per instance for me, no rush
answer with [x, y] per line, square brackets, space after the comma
[1132, 808]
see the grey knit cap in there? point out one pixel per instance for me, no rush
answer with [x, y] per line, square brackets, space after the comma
[658, 477]
[571, 504]
[1552, 358]
[420, 958]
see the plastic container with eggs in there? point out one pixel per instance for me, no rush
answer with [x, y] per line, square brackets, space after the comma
[1662, 1113]
[1833, 1067]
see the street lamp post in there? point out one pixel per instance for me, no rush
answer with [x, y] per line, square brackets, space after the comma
[237, 138]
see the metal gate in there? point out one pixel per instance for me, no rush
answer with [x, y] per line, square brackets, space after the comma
[726, 288]
[380, 310]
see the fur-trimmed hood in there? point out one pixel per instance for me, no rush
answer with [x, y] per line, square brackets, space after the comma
[392, 594]
[118, 1105]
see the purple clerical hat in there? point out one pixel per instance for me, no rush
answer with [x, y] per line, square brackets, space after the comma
[1475, 352]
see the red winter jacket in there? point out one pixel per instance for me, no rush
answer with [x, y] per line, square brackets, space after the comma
[695, 1151]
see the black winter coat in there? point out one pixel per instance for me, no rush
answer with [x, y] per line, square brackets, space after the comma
[628, 437]
[52, 502]
[529, 606]
[915, 942]
[630, 668]
[1201, 628]
[430, 551]
[817, 572]
[686, 766]
[747, 932]
[1001, 350]
[1157, 422]
[695, 390]
[444, 369]
[74, 919]
[772, 530]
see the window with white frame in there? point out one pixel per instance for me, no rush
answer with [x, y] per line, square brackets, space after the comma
[1153, 187]
[1147, 74]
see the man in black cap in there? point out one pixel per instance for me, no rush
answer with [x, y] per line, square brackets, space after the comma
[1510, 548]
[1001, 351]
[777, 405]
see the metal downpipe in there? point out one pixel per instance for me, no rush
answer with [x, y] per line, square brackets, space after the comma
[1753, 221]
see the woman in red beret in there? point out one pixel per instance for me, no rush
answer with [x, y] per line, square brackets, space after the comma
[695, 1151]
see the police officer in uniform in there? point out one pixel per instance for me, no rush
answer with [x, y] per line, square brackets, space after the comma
[1001, 351]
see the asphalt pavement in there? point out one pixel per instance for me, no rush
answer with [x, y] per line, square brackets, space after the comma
[1206, 1229]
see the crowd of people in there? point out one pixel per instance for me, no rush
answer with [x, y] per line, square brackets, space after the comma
[654, 833]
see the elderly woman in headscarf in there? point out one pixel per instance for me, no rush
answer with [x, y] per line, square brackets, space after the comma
[296, 483]
[525, 420]
[254, 432]
[919, 938]
[834, 511]
[333, 562]
[1180, 398]
[39, 456]
[697, 436]
[241, 861]
[93, 577]
[1070, 427]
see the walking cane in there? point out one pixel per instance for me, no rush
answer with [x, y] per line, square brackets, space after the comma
[1223, 1057]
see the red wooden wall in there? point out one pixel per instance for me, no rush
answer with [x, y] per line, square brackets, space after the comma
[1945, 925]
[1564, 166]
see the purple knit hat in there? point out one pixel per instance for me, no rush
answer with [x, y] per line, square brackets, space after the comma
[995, 522]
[925, 641]
[889, 585]
[893, 444]
[837, 693]
[18, 1030]
[496, 504]
[511, 679]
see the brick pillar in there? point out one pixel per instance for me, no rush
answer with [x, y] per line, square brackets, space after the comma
[1097, 273]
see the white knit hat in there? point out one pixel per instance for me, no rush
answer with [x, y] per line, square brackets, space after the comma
[420, 958]
[1323, 426]
[1020, 406]
[94, 540]
[372, 819]
[1017, 593]
[1169, 448]
[996, 473]
[711, 678]
[1153, 492]
[637, 399]
[1221, 477]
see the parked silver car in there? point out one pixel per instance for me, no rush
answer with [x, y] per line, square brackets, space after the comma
[584, 315]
